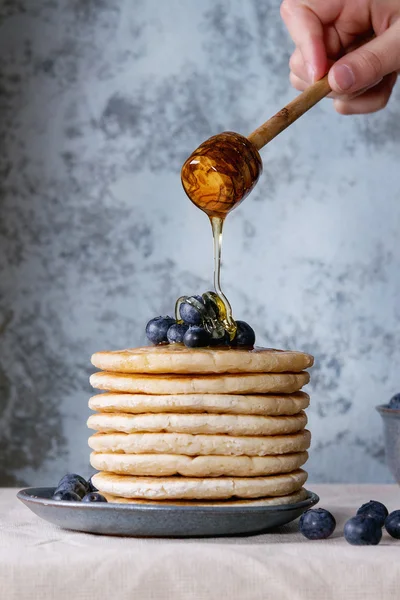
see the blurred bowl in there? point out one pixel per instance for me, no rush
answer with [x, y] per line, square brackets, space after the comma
[391, 431]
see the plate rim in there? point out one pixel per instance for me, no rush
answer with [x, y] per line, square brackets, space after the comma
[25, 495]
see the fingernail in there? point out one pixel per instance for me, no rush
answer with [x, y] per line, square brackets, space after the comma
[311, 72]
[344, 77]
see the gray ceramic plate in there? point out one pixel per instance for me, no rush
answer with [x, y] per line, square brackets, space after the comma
[161, 521]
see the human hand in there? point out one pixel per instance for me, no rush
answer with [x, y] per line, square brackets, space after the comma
[323, 30]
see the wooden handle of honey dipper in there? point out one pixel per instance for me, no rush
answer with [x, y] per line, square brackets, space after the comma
[295, 109]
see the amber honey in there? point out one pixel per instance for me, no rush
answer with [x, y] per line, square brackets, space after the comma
[219, 175]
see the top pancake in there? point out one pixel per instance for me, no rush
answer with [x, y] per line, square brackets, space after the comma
[176, 358]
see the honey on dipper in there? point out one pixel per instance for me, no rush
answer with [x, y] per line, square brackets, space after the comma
[219, 175]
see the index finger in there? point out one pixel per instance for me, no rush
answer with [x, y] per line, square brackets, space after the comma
[307, 32]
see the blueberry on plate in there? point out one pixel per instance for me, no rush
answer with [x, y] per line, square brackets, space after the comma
[196, 337]
[66, 495]
[73, 483]
[245, 335]
[176, 332]
[91, 486]
[157, 329]
[93, 497]
[317, 524]
[395, 402]
[72, 477]
[362, 530]
[374, 509]
[392, 524]
[189, 313]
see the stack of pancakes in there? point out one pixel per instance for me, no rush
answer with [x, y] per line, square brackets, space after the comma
[206, 425]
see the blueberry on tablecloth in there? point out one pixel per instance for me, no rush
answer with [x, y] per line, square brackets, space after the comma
[317, 524]
[374, 509]
[362, 530]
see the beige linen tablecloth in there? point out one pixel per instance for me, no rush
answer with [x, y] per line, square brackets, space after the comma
[40, 561]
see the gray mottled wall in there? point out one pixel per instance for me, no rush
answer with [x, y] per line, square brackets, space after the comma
[101, 101]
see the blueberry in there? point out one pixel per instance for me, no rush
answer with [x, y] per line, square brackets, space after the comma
[176, 332]
[73, 483]
[317, 524]
[392, 524]
[245, 335]
[91, 486]
[190, 314]
[72, 477]
[93, 497]
[362, 530]
[66, 495]
[374, 509]
[156, 329]
[225, 340]
[395, 402]
[196, 337]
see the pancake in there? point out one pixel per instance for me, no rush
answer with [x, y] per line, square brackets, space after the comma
[199, 423]
[285, 404]
[259, 502]
[199, 445]
[176, 358]
[166, 465]
[248, 383]
[188, 488]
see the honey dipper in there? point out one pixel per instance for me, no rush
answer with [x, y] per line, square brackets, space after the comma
[225, 168]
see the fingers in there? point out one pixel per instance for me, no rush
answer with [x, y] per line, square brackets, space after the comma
[297, 83]
[301, 85]
[371, 101]
[363, 102]
[307, 33]
[363, 79]
[368, 64]
[298, 66]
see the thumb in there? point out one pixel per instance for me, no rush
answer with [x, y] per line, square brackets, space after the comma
[366, 66]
